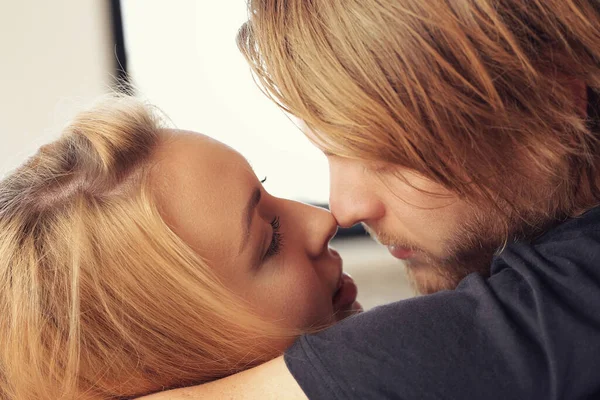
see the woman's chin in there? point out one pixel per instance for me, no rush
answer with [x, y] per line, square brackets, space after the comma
[348, 311]
[356, 307]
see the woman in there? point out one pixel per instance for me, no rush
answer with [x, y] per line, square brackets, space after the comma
[136, 258]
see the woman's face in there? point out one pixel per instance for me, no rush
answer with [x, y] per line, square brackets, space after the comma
[272, 252]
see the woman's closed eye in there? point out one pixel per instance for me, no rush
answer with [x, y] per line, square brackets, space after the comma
[276, 241]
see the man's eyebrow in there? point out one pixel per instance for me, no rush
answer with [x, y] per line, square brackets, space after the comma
[247, 217]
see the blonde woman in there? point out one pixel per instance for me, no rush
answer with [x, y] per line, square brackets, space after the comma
[465, 134]
[135, 258]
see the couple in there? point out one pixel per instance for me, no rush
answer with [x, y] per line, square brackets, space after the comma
[136, 258]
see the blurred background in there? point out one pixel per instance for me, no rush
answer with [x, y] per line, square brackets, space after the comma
[59, 56]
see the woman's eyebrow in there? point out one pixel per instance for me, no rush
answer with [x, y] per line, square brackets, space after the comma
[248, 216]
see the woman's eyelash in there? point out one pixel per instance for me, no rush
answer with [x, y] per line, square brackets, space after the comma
[276, 241]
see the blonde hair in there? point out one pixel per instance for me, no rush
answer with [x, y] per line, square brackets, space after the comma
[472, 94]
[98, 297]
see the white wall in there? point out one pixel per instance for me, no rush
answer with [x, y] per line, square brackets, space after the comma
[56, 58]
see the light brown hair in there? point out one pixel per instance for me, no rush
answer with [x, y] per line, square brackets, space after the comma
[476, 95]
[98, 297]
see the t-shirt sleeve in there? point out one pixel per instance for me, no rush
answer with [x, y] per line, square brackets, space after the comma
[516, 335]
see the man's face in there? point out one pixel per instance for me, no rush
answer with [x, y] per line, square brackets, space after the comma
[441, 237]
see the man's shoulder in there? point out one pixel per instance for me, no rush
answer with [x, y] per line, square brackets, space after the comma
[586, 224]
[566, 256]
[573, 244]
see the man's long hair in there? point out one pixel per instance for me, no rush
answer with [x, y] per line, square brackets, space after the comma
[481, 96]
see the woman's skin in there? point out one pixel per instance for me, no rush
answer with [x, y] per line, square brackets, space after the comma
[272, 252]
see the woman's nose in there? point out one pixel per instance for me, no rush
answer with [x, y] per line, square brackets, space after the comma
[320, 227]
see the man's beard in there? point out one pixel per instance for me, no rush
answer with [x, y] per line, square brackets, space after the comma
[429, 275]
[470, 250]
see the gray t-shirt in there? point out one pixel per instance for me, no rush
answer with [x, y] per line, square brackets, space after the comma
[530, 331]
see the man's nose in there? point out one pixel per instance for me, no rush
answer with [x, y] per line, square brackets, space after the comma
[353, 200]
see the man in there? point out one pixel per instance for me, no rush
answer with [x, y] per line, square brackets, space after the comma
[463, 134]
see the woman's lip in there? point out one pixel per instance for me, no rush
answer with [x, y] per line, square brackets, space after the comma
[346, 293]
[334, 253]
[402, 253]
